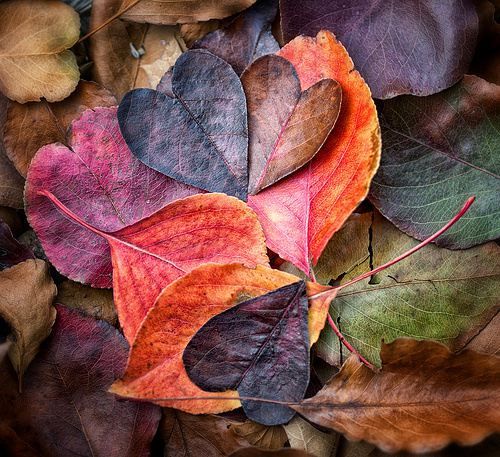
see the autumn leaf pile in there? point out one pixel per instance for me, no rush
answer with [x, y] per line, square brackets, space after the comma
[239, 228]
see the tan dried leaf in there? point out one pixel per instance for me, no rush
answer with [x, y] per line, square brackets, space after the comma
[259, 435]
[26, 295]
[34, 59]
[302, 435]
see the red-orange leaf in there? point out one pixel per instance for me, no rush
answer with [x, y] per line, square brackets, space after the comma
[155, 368]
[150, 254]
[300, 213]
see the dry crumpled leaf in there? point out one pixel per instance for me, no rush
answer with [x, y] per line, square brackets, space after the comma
[424, 398]
[26, 295]
[96, 302]
[273, 437]
[302, 435]
[34, 58]
[182, 11]
[30, 126]
[110, 49]
[189, 435]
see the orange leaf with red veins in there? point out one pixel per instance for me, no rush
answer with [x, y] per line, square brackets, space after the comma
[150, 254]
[155, 368]
[300, 213]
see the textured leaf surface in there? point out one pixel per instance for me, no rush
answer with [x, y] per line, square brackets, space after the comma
[65, 409]
[256, 452]
[302, 435]
[259, 435]
[100, 180]
[30, 126]
[34, 57]
[260, 348]
[155, 369]
[400, 47]
[435, 294]
[182, 11]
[183, 235]
[199, 137]
[26, 295]
[190, 435]
[301, 213]
[451, 398]
[114, 65]
[244, 38]
[437, 151]
[287, 126]
[11, 251]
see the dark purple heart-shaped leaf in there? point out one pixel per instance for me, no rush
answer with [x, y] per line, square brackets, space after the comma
[399, 46]
[287, 126]
[245, 37]
[65, 409]
[259, 347]
[11, 251]
[200, 136]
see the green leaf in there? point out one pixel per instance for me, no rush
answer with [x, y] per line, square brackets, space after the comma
[438, 294]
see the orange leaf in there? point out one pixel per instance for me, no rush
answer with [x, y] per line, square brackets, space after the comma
[155, 368]
[300, 213]
[150, 254]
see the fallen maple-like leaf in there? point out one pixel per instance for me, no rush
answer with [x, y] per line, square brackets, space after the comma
[260, 347]
[34, 59]
[199, 136]
[155, 370]
[434, 294]
[300, 213]
[26, 295]
[288, 126]
[438, 149]
[30, 126]
[65, 409]
[11, 251]
[181, 11]
[99, 179]
[396, 46]
[244, 38]
[166, 245]
[424, 398]
[115, 66]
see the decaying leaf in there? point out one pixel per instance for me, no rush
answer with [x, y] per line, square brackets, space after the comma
[197, 30]
[450, 398]
[434, 294]
[437, 150]
[288, 126]
[95, 302]
[115, 65]
[26, 295]
[11, 251]
[203, 128]
[256, 452]
[30, 126]
[189, 435]
[260, 347]
[245, 37]
[300, 213]
[181, 236]
[302, 435]
[65, 409]
[34, 58]
[400, 47]
[155, 369]
[263, 436]
[182, 11]
[100, 180]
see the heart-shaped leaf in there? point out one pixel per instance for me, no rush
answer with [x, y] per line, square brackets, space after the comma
[101, 181]
[163, 247]
[400, 47]
[288, 126]
[300, 213]
[260, 348]
[155, 369]
[200, 136]
[437, 150]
